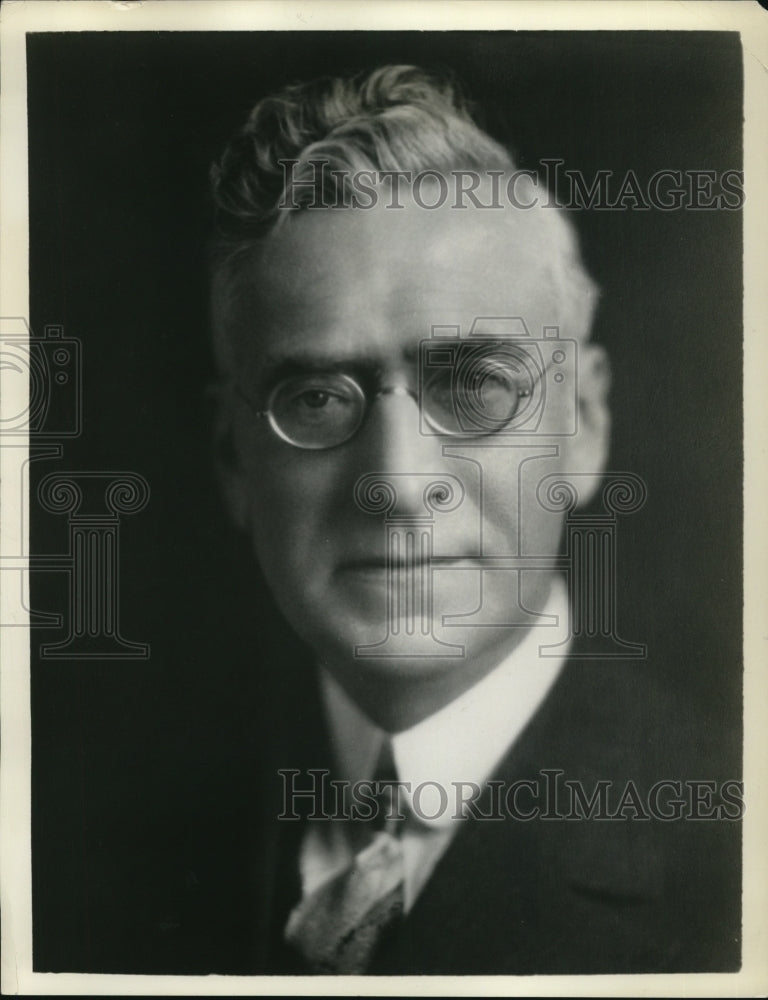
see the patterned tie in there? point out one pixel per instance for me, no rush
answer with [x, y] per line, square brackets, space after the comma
[338, 927]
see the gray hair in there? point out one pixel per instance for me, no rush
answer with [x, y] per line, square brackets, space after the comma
[397, 118]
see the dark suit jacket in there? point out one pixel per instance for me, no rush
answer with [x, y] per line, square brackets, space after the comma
[206, 884]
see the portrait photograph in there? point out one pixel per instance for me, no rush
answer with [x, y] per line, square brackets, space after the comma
[380, 499]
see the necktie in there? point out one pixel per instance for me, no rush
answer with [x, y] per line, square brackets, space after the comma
[339, 926]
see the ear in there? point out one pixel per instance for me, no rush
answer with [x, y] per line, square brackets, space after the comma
[586, 452]
[226, 455]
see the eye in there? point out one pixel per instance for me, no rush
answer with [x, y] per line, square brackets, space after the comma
[491, 375]
[489, 382]
[314, 399]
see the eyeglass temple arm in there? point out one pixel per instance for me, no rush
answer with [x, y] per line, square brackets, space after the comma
[248, 401]
[539, 377]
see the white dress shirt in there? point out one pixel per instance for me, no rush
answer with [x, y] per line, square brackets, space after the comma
[462, 742]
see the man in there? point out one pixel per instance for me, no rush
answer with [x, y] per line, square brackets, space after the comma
[325, 292]
[406, 381]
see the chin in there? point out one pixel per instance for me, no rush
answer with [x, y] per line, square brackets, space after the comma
[368, 649]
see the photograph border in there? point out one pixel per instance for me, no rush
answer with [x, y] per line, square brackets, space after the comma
[23, 16]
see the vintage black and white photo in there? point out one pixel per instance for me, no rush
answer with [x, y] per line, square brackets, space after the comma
[383, 462]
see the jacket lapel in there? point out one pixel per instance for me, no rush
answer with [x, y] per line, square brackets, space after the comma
[545, 894]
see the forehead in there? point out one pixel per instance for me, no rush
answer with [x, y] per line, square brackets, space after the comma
[346, 282]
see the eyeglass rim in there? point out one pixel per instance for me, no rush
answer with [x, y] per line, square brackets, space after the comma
[358, 389]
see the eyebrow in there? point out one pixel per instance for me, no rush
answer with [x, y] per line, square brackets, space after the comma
[276, 367]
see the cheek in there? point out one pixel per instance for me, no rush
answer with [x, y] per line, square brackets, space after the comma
[292, 498]
[514, 518]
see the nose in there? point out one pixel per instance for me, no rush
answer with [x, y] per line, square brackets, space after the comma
[394, 445]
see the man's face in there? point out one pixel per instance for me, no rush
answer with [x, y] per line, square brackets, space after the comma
[358, 291]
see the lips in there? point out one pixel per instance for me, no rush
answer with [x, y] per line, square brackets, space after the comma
[375, 564]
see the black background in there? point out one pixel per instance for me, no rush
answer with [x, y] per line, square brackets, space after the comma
[122, 129]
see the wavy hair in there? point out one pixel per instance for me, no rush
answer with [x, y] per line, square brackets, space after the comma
[397, 118]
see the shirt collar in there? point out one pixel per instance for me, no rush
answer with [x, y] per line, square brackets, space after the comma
[465, 740]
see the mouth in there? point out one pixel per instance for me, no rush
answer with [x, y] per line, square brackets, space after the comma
[380, 565]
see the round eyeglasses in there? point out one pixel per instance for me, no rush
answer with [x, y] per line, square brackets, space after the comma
[475, 395]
